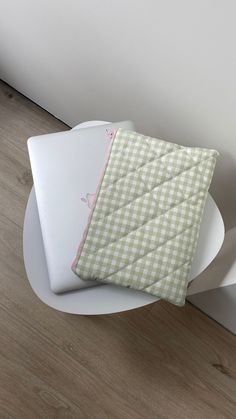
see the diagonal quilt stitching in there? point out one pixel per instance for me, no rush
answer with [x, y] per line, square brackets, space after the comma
[187, 261]
[156, 186]
[152, 148]
[139, 167]
[150, 219]
[150, 251]
[191, 159]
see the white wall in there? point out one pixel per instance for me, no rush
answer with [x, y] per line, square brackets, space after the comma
[168, 65]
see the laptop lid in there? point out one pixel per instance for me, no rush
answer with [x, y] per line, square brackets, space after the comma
[66, 168]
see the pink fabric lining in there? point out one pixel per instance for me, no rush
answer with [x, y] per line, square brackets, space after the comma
[107, 156]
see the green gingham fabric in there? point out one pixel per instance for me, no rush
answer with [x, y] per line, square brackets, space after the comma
[145, 223]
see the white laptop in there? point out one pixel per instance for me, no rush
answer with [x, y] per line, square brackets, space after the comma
[66, 168]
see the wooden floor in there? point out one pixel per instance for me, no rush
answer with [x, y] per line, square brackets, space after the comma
[155, 362]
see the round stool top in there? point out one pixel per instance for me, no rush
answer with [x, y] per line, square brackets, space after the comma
[106, 299]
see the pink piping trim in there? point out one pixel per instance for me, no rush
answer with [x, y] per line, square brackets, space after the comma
[107, 156]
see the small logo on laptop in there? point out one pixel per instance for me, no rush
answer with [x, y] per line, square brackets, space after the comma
[89, 199]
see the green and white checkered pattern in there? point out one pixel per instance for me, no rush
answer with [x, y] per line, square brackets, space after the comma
[145, 224]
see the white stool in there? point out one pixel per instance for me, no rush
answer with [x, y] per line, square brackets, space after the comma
[106, 299]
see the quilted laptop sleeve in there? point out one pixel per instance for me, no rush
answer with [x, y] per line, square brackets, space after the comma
[145, 221]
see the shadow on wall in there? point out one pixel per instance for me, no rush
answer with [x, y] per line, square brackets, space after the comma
[223, 188]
